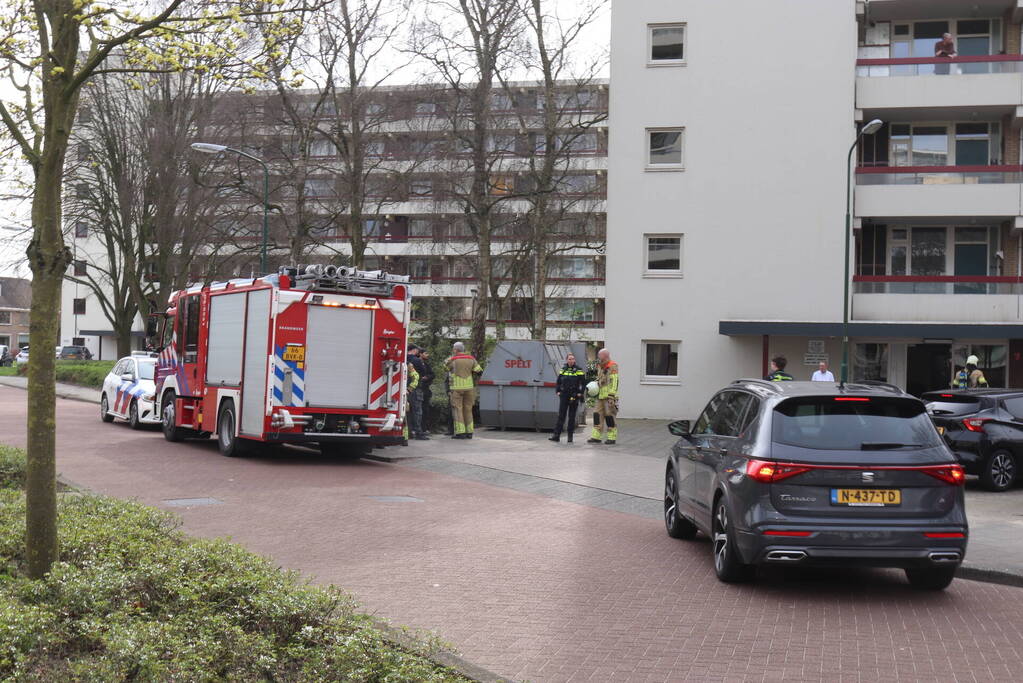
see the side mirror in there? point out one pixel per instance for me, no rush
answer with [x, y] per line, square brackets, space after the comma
[128, 377]
[679, 428]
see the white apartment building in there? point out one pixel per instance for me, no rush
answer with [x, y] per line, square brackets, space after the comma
[727, 193]
[417, 229]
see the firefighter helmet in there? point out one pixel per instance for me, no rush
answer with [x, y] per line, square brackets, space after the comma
[973, 360]
[592, 389]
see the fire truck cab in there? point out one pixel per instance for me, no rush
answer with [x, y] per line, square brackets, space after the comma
[312, 355]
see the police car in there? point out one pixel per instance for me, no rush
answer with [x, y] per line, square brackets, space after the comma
[128, 391]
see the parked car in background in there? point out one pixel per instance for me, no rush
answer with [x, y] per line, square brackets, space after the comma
[22, 356]
[57, 352]
[128, 391]
[5, 356]
[811, 473]
[75, 353]
[984, 428]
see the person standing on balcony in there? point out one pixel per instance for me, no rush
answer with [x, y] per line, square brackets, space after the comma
[970, 377]
[944, 49]
[822, 374]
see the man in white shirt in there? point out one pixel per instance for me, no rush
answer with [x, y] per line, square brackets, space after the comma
[822, 374]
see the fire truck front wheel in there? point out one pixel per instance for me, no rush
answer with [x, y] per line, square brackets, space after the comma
[171, 432]
[228, 442]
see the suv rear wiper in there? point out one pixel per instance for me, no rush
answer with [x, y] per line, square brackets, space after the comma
[886, 445]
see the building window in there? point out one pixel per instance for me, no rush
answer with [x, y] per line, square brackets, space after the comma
[80, 268]
[663, 256]
[78, 341]
[667, 44]
[870, 362]
[571, 310]
[660, 362]
[421, 187]
[22, 340]
[318, 187]
[79, 307]
[322, 147]
[5, 317]
[375, 148]
[81, 229]
[426, 108]
[420, 227]
[664, 148]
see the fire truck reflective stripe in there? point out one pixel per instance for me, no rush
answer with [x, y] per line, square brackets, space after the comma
[376, 392]
[297, 379]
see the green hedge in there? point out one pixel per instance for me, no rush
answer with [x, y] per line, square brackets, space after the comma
[132, 598]
[86, 373]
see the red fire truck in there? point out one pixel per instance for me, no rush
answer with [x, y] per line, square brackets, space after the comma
[312, 355]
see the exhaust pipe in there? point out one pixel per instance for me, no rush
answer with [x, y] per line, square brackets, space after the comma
[943, 557]
[786, 556]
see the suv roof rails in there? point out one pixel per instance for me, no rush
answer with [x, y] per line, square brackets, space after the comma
[773, 386]
[876, 384]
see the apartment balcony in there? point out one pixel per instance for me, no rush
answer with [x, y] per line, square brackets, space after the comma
[906, 88]
[942, 298]
[933, 191]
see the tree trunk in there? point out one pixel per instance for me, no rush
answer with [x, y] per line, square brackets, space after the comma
[48, 258]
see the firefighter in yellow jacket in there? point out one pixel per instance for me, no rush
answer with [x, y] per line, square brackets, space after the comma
[461, 368]
[411, 383]
[607, 400]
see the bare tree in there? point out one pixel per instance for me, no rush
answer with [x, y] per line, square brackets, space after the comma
[566, 133]
[469, 43]
[49, 50]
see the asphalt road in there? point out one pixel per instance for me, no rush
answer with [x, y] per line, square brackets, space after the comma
[537, 588]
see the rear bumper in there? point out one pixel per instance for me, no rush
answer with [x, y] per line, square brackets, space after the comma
[905, 547]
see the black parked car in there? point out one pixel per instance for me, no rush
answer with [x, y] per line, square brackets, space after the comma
[801, 473]
[75, 353]
[984, 428]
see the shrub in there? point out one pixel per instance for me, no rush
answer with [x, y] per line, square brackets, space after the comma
[12, 467]
[86, 373]
[133, 598]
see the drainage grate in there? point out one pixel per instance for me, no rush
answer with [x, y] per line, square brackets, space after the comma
[191, 502]
[396, 499]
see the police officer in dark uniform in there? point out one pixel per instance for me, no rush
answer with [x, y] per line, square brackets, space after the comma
[778, 373]
[571, 386]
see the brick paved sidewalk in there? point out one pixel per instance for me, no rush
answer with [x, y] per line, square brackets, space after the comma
[542, 589]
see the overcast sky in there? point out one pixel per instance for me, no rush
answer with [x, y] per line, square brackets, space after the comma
[16, 214]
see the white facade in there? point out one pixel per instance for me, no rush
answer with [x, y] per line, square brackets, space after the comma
[770, 100]
[758, 202]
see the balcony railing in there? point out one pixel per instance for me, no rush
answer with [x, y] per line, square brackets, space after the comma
[938, 175]
[937, 284]
[931, 66]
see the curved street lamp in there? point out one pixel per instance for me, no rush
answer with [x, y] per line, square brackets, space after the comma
[870, 128]
[210, 148]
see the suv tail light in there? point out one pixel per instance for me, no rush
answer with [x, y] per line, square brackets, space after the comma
[950, 474]
[975, 424]
[768, 472]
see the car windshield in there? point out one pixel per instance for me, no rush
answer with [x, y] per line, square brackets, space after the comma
[147, 369]
[70, 349]
[853, 423]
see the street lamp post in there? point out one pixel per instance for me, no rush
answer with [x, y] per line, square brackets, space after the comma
[868, 129]
[210, 148]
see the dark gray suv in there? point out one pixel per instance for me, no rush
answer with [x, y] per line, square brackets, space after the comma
[800, 473]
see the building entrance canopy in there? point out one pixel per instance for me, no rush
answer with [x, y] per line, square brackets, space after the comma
[888, 330]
